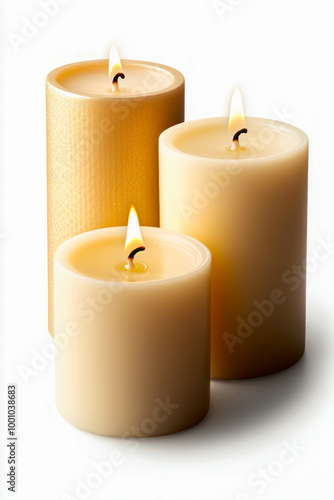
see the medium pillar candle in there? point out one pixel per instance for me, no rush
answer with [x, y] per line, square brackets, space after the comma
[102, 145]
[248, 204]
[133, 346]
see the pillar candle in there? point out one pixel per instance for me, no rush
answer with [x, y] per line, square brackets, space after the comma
[102, 152]
[133, 344]
[248, 204]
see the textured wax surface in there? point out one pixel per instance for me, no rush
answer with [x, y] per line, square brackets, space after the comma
[102, 156]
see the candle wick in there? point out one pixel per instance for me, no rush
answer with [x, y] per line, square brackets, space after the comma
[115, 80]
[130, 265]
[235, 140]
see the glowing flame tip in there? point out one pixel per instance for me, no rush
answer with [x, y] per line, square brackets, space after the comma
[237, 117]
[115, 65]
[133, 235]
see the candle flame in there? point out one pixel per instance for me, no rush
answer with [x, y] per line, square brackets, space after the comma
[237, 117]
[133, 235]
[115, 65]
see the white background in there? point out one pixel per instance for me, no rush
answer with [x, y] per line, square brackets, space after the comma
[280, 52]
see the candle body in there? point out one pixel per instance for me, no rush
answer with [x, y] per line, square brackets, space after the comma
[133, 349]
[102, 153]
[250, 208]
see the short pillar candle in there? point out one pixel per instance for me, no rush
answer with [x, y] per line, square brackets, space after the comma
[133, 342]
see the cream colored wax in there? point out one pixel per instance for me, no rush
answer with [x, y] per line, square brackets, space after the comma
[249, 206]
[102, 152]
[133, 354]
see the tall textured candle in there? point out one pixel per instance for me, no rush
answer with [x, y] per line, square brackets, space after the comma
[133, 335]
[243, 193]
[102, 153]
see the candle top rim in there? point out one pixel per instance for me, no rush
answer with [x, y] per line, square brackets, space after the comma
[169, 137]
[62, 254]
[175, 76]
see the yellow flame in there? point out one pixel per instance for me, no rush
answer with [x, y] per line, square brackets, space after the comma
[133, 235]
[237, 117]
[115, 65]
